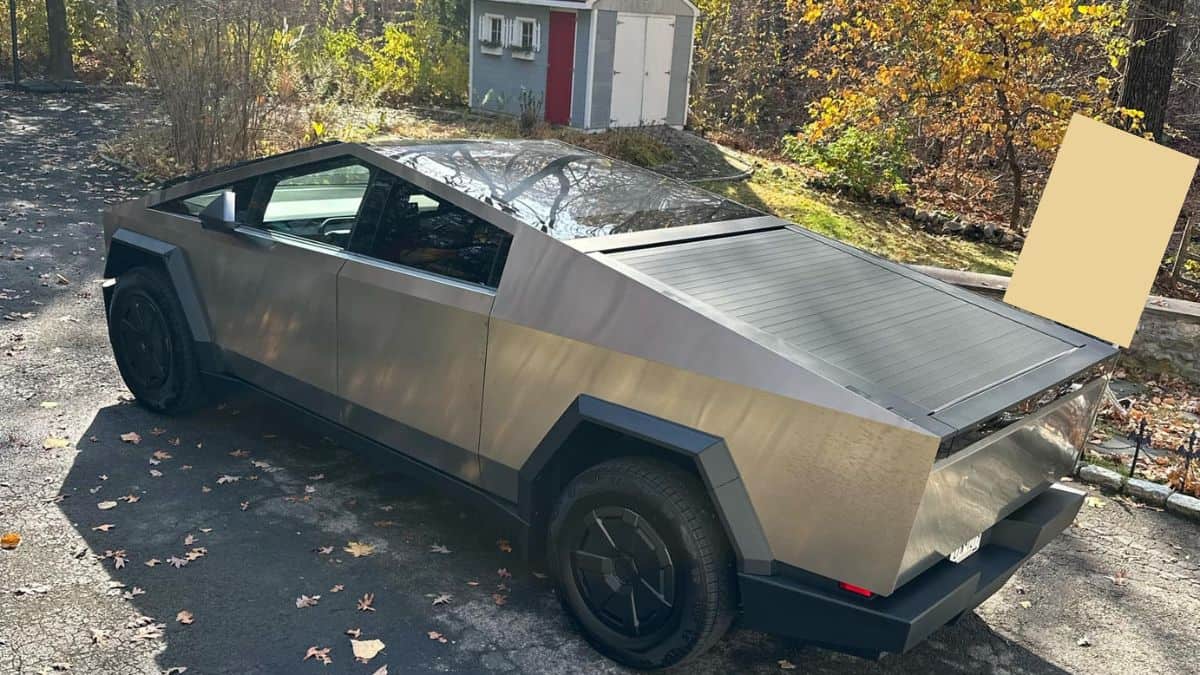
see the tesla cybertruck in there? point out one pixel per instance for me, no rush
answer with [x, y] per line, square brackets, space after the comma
[690, 411]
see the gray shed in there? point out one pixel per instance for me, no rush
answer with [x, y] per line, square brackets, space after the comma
[593, 64]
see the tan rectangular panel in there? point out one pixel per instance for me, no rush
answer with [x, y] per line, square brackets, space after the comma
[1100, 230]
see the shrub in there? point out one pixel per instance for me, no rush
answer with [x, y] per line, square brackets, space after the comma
[635, 148]
[529, 119]
[862, 161]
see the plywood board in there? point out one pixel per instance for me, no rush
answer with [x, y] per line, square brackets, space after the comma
[1100, 230]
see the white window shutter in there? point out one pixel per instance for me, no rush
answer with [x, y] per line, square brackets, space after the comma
[537, 36]
[482, 30]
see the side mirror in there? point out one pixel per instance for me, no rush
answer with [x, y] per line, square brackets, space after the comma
[221, 213]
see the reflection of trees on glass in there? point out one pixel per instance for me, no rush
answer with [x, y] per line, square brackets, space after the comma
[567, 193]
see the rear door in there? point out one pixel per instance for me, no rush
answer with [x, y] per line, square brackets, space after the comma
[413, 301]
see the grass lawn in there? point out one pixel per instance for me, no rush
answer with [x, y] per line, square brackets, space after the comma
[875, 228]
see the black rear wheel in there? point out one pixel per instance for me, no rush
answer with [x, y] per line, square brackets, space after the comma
[151, 342]
[641, 562]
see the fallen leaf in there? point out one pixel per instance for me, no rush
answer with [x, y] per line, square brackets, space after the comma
[503, 573]
[49, 404]
[245, 505]
[354, 632]
[324, 550]
[317, 476]
[206, 530]
[161, 455]
[1084, 642]
[365, 650]
[443, 599]
[54, 443]
[98, 635]
[499, 598]
[189, 540]
[320, 654]
[176, 562]
[784, 664]
[337, 588]
[239, 453]
[152, 562]
[10, 540]
[184, 617]
[175, 670]
[156, 473]
[103, 528]
[359, 549]
[504, 545]
[1025, 604]
[226, 478]
[307, 601]
[382, 671]
[364, 603]
[309, 489]
[1095, 502]
[131, 437]
[104, 506]
[438, 548]
[130, 499]
[133, 593]
[198, 552]
[434, 635]
[157, 431]
[205, 489]
[472, 583]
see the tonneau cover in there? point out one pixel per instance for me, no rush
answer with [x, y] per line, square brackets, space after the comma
[910, 337]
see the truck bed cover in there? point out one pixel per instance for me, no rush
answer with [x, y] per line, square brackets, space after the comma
[907, 336]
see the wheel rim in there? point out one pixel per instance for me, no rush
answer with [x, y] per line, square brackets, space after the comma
[624, 571]
[145, 341]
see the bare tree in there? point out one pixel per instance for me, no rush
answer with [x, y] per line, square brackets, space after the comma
[60, 67]
[1149, 70]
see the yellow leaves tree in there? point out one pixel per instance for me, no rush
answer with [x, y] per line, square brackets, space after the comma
[983, 89]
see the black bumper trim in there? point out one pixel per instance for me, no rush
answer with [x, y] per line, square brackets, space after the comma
[835, 619]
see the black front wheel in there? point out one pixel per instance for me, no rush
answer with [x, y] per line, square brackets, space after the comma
[151, 342]
[641, 562]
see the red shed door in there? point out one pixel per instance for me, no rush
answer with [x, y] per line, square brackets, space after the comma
[561, 64]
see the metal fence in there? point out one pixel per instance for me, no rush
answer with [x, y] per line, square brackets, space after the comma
[1187, 451]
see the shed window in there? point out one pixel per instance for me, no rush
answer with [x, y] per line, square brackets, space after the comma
[491, 34]
[526, 39]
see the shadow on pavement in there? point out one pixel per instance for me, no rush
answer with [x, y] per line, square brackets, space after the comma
[260, 494]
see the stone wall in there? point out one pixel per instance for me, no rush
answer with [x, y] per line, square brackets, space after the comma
[1168, 335]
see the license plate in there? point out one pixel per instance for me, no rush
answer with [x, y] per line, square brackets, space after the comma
[963, 552]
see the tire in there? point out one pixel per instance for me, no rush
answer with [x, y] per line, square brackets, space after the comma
[152, 343]
[645, 530]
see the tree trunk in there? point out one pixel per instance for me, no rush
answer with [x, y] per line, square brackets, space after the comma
[1153, 34]
[59, 38]
[124, 37]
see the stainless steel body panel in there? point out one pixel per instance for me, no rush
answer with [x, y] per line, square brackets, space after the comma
[841, 474]
[411, 347]
[973, 489]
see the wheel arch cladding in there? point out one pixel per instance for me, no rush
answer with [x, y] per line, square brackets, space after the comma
[589, 423]
[131, 249]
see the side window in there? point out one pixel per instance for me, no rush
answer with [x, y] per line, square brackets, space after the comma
[318, 202]
[419, 230]
[194, 204]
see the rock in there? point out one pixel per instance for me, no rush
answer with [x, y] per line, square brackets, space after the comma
[1146, 491]
[1188, 507]
[1098, 475]
[908, 211]
[955, 227]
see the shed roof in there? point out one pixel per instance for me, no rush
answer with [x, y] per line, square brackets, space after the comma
[577, 4]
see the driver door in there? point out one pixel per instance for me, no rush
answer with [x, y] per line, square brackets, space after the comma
[271, 288]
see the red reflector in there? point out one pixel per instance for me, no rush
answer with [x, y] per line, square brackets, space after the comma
[857, 590]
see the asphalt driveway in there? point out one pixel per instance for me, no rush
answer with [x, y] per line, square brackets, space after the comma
[248, 512]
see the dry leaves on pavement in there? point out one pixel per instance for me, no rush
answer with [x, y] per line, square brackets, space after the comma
[184, 617]
[365, 650]
[131, 437]
[364, 603]
[307, 601]
[359, 549]
[319, 653]
[10, 540]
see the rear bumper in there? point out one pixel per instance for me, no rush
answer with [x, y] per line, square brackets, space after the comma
[824, 615]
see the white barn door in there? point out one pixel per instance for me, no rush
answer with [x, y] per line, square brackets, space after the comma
[629, 52]
[641, 82]
[656, 87]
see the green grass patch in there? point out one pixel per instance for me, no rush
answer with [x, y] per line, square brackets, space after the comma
[780, 190]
